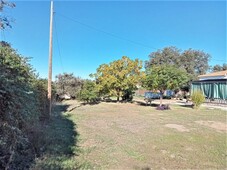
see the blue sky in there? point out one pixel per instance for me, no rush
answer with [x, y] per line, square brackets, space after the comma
[80, 49]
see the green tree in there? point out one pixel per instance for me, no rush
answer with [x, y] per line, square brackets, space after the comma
[118, 76]
[88, 92]
[164, 77]
[218, 67]
[195, 62]
[168, 55]
[67, 83]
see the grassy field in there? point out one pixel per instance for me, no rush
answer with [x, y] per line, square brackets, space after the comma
[134, 136]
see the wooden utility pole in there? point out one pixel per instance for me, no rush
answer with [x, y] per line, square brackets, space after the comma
[50, 57]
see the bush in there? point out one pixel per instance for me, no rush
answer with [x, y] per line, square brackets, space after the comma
[197, 98]
[127, 95]
[88, 92]
[23, 100]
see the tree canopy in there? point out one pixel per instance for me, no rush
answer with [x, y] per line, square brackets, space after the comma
[218, 67]
[118, 76]
[195, 62]
[67, 83]
[165, 77]
[168, 55]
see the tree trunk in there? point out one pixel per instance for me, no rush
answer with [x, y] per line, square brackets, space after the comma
[118, 95]
[161, 97]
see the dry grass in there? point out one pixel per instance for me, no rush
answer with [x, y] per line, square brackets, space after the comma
[134, 136]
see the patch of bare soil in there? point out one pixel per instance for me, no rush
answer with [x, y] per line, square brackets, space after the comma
[179, 128]
[219, 126]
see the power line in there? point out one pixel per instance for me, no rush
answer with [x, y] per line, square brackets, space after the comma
[105, 32]
[59, 52]
[113, 35]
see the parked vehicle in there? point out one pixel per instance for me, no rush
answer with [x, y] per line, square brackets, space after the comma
[168, 94]
[63, 97]
[152, 95]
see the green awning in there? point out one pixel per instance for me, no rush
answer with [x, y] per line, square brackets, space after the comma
[211, 90]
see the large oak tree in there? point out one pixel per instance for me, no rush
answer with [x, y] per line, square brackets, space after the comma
[195, 62]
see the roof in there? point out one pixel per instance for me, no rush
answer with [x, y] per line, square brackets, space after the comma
[210, 81]
[215, 74]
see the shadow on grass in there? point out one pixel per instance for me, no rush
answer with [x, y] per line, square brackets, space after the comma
[90, 103]
[59, 142]
[115, 101]
[187, 106]
[144, 104]
[141, 168]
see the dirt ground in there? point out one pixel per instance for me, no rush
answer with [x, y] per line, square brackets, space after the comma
[136, 136]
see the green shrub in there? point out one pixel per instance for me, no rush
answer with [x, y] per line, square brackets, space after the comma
[23, 100]
[197, 98]
[88, 92]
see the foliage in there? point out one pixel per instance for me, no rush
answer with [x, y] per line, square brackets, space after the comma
[4, 20]
[164, 77]
[127, 95]
[23, 99]
[218, 67]
[195, 62]
[118, 76]
[168, 55]
[40, 87]
[197, 98]
[67, 83]
[88, 92]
